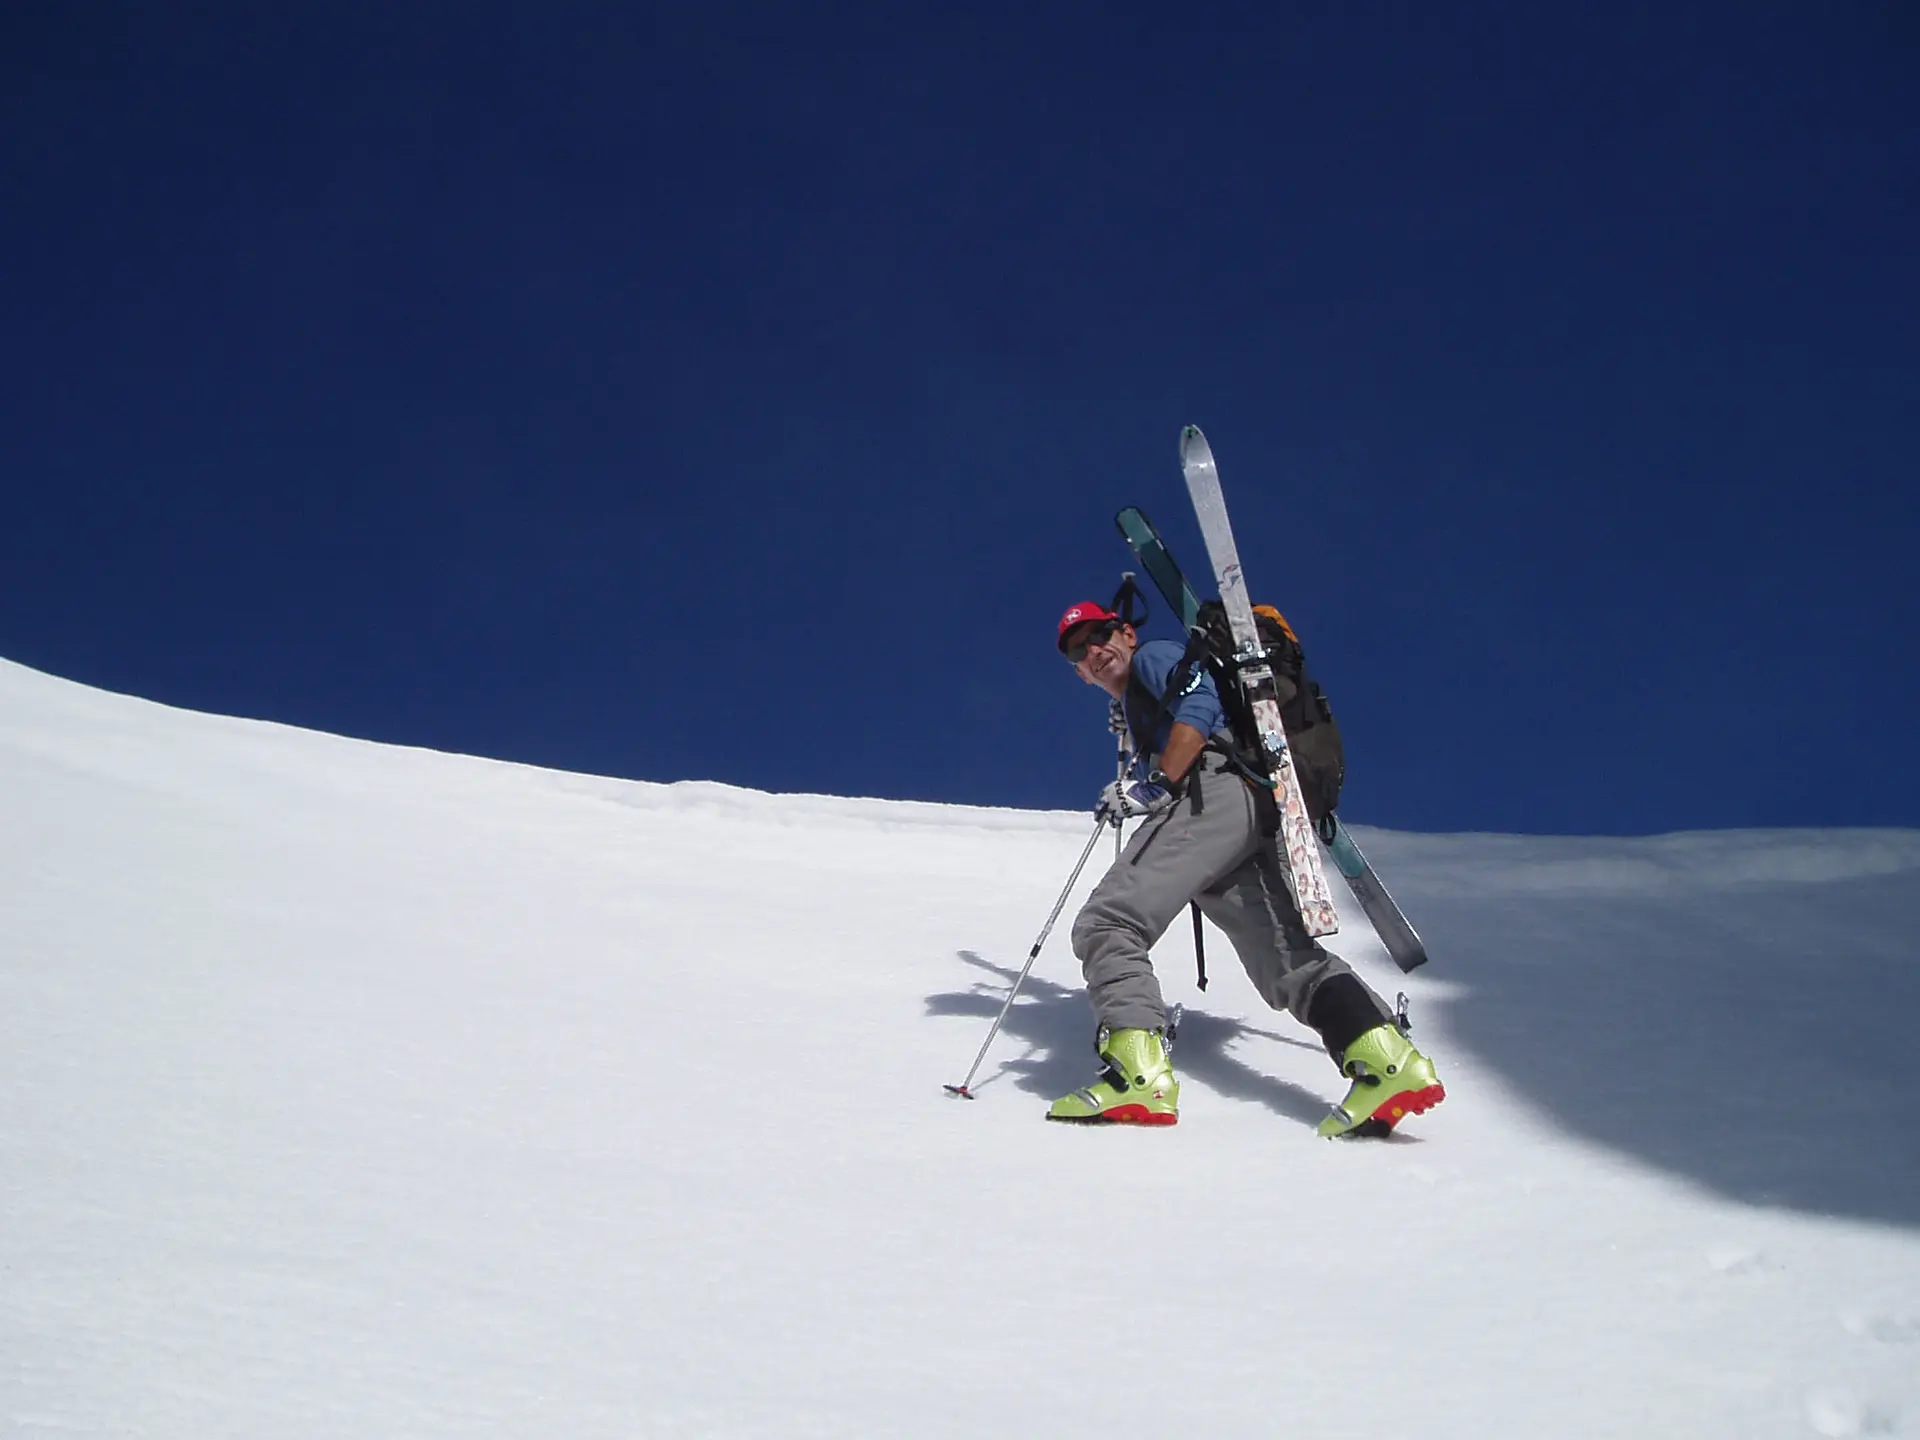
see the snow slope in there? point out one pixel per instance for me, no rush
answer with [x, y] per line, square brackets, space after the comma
[348, 1090]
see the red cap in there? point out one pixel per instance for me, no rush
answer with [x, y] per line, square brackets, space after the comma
[1081, 614]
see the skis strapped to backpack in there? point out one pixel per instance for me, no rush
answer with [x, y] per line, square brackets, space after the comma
[1312, 734]
[1312, 746]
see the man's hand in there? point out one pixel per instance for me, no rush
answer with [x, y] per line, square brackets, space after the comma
[1123, 800]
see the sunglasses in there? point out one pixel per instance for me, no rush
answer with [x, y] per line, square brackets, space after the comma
[1099, 635]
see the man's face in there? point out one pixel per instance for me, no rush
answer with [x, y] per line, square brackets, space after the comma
[1102, 653]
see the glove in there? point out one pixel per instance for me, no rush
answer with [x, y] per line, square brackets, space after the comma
[1123, 800]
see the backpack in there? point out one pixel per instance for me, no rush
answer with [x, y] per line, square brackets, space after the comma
[1313, 737]
[1319, 758]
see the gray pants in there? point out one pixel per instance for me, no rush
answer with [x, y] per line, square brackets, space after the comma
[1218, 859]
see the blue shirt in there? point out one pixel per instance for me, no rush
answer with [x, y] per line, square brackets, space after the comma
[1198, 705]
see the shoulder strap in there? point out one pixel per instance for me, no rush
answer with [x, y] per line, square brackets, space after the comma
[1177, 681]
[1198, 653]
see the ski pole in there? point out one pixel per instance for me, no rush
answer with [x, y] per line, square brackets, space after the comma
[1117, 723]
[962, 1089]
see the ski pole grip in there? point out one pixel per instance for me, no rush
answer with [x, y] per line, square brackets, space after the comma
[1124, 598]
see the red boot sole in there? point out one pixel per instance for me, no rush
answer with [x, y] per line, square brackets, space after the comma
[1120, 1115]
[1413, 1102]
[1138, 1115]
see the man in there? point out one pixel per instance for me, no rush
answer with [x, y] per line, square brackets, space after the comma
[1202, 841]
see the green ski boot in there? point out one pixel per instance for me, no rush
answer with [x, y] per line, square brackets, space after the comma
[1136, 1088]
[1391, 1080]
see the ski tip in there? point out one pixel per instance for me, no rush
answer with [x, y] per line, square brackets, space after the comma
[1194, 449]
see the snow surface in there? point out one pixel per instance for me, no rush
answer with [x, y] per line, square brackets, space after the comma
[348, 1090]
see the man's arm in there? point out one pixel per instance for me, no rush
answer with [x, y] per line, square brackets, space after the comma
[1184, 744]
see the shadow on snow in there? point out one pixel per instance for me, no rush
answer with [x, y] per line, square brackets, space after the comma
[1751, 1040]
[1051, 1029]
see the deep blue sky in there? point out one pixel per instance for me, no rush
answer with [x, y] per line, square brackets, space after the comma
[740, 391]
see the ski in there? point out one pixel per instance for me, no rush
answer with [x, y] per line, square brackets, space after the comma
[1389, 921]
[1151, 551]
[1299, 844]
[1402, 942]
